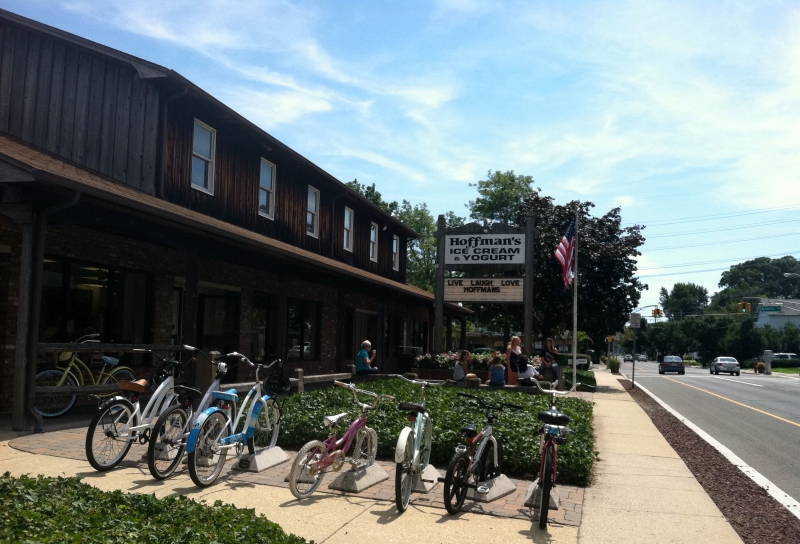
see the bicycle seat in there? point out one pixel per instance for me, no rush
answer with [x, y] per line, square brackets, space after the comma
[553, 416]
[113, 361]
[471, 431]
[230, 395]
[408, 407]
[138, 386]
[189, 392]
[330, 421]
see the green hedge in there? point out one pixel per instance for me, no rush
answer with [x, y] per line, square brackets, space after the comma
[585, 377]
[56, 510]
[303, 413]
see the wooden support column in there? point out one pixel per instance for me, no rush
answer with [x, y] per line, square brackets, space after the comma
[283, 319]
[37, 260]
[527, 284]
[463, 332]
[439, 290]
[380, 341]
[19, 416]
[341, 319]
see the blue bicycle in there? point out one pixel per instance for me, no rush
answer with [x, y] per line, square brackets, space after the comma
[256, 424]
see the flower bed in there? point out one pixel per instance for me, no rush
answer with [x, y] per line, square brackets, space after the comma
[303, 413]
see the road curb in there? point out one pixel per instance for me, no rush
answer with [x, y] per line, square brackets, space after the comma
[774, 491]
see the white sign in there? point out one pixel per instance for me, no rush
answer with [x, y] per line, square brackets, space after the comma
[636, 321]
[484, 249]
[483, 289]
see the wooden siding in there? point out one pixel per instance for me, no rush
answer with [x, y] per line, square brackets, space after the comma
[78, 105]
[236, 180]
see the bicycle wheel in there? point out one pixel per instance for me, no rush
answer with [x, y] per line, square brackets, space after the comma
[547, 485]
[207, 459]
[267, 425]
[366, 447]
[304, 478]
[167, 442]
[488, 468]
[53, 404]
[455, 483]
[404, 476]
[108, 439]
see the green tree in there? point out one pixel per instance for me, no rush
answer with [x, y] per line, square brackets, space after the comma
[421, 262]
[791, 337]
[742, 340]
[500, 196]
[684, 299]
[373, 195]
[762, 277]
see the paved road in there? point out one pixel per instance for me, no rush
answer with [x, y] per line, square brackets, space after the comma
[755, 416]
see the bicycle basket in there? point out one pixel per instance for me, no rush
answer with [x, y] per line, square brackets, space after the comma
[277, 386]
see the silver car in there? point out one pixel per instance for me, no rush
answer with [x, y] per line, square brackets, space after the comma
[725, 364]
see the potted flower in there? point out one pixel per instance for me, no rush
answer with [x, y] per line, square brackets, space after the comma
[613, 365]
[759, 367]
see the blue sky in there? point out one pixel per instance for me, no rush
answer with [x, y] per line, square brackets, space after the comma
[685, 114]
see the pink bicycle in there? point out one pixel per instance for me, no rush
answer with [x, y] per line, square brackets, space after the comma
[316, 458]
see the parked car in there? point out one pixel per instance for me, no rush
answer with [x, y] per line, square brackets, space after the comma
[484, 350]
[628, 357]
[643, 358]
[784, 356]
[725, 364]
[294, 351]
[671, 363]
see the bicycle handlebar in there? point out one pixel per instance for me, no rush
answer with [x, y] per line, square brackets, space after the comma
[352, 387]
[553, 390]
[418, 382]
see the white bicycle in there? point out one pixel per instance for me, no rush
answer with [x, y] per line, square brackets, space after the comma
[119, 422]
[413, 451]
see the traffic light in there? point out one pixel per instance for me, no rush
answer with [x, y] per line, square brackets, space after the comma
[657, 312]
[611, 339]
[741, 308]
[747, 307]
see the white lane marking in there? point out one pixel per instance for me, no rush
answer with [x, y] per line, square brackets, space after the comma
[738, 381]
[781, 496]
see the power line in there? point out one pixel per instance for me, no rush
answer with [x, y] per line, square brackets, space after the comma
[685, 273]
[733, 259]
[737, 227]
[714, 217]
[723, 242]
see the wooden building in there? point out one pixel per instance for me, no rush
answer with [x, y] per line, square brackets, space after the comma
[137, 206]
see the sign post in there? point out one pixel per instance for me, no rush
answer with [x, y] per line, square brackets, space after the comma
[636, 322]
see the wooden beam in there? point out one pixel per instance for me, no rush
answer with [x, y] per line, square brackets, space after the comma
[19, 417]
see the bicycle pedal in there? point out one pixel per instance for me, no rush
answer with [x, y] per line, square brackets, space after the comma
[428, 481]
[482, 490]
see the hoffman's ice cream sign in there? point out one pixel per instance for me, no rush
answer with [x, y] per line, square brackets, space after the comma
[484, 249]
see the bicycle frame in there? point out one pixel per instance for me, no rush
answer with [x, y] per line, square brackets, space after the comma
[475, 453]
[161, 399]
[336, 449]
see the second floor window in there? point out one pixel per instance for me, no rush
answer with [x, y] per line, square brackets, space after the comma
[348, 229]
[266, 190]
[373, 242]
[312, 215]
[203, 145]
[396, 253]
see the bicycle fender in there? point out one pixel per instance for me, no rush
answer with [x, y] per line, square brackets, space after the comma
[191, 442]
[400, 451]
[108, 401]
[261, 403]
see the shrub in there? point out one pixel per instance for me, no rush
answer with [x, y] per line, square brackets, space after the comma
[55, 510]
[584, 377]
[614, 364]
[303, 413]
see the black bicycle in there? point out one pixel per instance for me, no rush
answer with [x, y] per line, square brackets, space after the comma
[477, 461]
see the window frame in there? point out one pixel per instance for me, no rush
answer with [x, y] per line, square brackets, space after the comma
[211, 161]
[373, 255]
[348, 229]
[271, 213]
[395, 252]
[315, 232]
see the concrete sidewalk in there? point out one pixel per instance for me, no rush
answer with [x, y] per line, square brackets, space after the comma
[641, 492]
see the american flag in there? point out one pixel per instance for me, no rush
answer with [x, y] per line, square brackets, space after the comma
[565, 253]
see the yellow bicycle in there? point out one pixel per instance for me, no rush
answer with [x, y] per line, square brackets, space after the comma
[70, 372]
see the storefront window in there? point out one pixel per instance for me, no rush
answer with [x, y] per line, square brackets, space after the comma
[80, 298]
[264, 329]
[303, 331]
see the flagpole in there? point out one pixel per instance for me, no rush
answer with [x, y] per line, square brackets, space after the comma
[575, 308]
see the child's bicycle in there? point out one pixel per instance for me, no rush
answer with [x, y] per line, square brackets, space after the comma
[70, 372]
[478, 461]
[554, 432]
[119, 422]
[413, 451]
[168, 438]
[316, 458]
[256, 425]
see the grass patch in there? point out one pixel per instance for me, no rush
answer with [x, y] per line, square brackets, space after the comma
[57, 510]
[786, 370]
[303, 413]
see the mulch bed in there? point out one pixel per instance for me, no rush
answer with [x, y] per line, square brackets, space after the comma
[751, 511]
